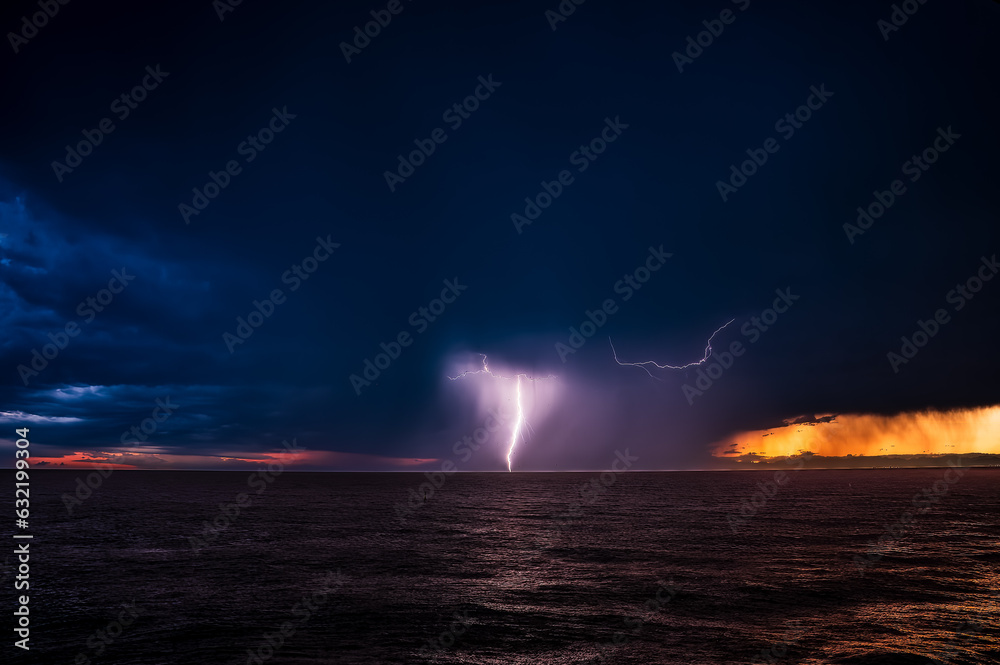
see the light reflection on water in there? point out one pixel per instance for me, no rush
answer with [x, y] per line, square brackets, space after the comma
[484, 544]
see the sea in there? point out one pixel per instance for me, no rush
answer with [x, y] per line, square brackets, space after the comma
[852, 567]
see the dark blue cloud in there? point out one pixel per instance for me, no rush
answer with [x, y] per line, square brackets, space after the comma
[323, 176]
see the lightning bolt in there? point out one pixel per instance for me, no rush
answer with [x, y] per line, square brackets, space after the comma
[520, 421]
[644, 363]
[517, 424]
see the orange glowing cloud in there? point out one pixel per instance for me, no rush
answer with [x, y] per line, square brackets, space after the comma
[915, 433]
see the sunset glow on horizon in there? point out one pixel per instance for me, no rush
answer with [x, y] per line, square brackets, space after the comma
[305, 460]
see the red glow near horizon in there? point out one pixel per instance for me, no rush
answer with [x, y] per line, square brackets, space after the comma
[315, 460]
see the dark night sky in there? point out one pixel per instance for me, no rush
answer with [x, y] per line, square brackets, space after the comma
[655, 185]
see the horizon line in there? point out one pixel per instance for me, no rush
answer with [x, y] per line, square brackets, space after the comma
[458, 471]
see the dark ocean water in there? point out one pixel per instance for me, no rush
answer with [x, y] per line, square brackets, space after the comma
[649, 571]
